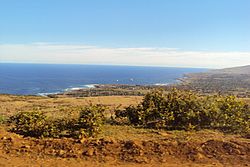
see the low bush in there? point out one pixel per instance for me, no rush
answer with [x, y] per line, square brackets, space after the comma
[37, 124]
[34, 124]
[90, 120]
[232, 115]
[180, 110]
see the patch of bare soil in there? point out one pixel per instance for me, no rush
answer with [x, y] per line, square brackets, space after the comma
[18, 151]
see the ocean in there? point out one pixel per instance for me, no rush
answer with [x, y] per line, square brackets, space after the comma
[43, 79]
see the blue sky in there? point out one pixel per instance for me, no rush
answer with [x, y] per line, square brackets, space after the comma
[214, 28]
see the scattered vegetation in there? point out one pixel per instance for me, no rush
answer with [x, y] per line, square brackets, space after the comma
[109, 90]
[179, 112]
[185, 110]
[173, 110]
[37, 124]
[34, 124]
[234, 81]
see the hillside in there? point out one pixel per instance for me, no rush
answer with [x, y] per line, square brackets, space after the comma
[235, 70]
[225, 81]
[116, 145]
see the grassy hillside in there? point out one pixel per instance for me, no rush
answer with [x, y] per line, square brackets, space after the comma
[225, 81]
[234, 70]
[116, 144]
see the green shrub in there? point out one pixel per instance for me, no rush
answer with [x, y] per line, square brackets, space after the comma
[151, 113]
[154, 110]
[2, 119]
[174, 110]
[90, 120]
[186, 110]
[34, 124]
[233, 115]
[132, 113]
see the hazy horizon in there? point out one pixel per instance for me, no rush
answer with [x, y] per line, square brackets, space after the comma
[101, 65]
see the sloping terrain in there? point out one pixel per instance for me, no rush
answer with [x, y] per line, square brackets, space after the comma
[116, 145]
[226, 81]
[162, 148]
[235, 70]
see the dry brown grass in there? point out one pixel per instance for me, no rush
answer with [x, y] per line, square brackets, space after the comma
[159, 147]
[59, 106]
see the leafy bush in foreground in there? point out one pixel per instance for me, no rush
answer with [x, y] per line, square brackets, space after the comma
[90, 120]
[186, 110]
[232, 115]
[36, 124]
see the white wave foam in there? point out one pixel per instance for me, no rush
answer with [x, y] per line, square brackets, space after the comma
[79, 88]
[91, 85]
[71, 89]
[161, 84]
[46, 94]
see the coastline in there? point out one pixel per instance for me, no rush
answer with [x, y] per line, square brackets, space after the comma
[108, 90]
[42, 80]
[105, 90]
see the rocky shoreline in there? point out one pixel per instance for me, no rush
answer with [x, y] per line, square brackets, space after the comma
[110, 90]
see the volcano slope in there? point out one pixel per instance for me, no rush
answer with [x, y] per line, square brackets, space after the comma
[116, 145]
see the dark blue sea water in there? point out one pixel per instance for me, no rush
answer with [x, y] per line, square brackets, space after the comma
[38, 79]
